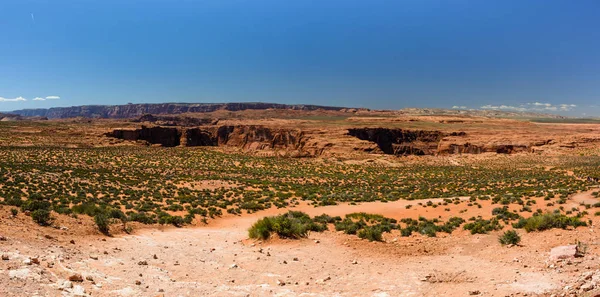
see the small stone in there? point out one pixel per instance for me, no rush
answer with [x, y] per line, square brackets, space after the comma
[66, 285]
[89, 278]
[587, 287]
[354, 262]
[295, 259]
[94, 257]
[79, 291]
[563, 252]
[137, 282]
[76, 278]
[233, 266]
[143, 262]
[2, 238]
[155, 257]
[27, 261]
[35, 260]
[5, 257]
[280, 283]
[317, 241]
[476, 292]
[72, 241]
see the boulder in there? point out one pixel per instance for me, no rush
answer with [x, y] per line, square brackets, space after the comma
[563, 252]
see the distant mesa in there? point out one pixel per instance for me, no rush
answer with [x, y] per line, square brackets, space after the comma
[138, 110]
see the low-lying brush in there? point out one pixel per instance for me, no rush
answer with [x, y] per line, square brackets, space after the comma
[548, 221]
[509, 237]
[481, 226]
[294, 225]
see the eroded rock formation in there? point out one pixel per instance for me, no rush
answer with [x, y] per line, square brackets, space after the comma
[167, 137]
[399, 141]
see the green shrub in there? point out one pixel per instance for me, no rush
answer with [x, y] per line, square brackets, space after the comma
[509, 237]
[102, 222]
[548, 221]
[481, 226]
[41, 217]
[14, 212]
[371, 233]
[293, 224]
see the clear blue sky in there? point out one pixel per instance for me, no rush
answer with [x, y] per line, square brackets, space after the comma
[526, 55]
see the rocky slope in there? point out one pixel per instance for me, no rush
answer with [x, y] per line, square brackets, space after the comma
[137, 110]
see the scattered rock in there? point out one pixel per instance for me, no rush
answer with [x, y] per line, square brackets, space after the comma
[233, 266]
[76, 278]
[143, 262]
[94, 257]
[89, 278]
[27, 261]
[2, 238]
[280, 283]
[154, 257]
[5, 257]
[476, 292]
[137, 282]
[72, 241]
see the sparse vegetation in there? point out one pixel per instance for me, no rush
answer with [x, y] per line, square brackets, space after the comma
[293, 224]
[41, 217]
[548, 221]
[510, 237]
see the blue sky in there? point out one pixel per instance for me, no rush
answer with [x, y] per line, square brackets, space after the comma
[511, 55]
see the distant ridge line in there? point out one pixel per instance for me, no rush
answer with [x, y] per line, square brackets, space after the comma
[135, 110]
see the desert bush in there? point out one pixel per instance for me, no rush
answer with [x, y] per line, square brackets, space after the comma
[481, 226]
[371, 233]
[509, 237]
[293, 224]
[548, 221]
[14, 212]
[102, 222]
[41, 217]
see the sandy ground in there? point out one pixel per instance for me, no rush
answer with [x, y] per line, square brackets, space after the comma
[219, 260]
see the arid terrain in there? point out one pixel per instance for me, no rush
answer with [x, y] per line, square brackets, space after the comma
[159, 200]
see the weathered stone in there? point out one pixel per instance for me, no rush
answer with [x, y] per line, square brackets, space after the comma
[563, 252]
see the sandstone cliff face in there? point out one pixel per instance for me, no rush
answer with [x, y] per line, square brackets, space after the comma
[137, 110]
[247, 137]
[400, 142]
[167, 137]
[259, 137]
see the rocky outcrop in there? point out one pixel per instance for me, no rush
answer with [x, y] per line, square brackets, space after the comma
[419, 142]
[259, 137]
[399, 141]
[137, 110]
[247, 137]
[198, 137]
[167, 137]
